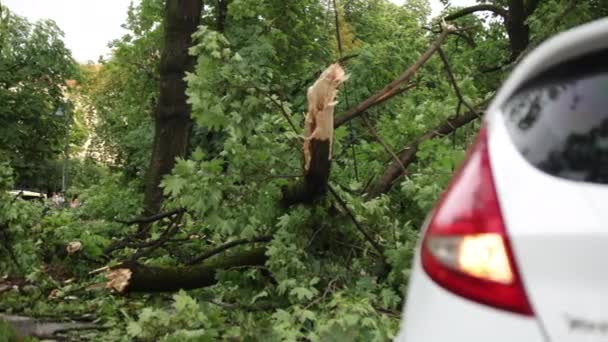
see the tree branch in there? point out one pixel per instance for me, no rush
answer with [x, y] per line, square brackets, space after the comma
[452, 79]
[478, 8]
[391, 87]
[387, 148]
[226, 246]
[135, 277]
[360, 228]
[171, 230]
[408, 155]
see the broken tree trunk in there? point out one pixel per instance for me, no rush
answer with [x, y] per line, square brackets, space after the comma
[318, 138]
[406, 157]
[135, 277]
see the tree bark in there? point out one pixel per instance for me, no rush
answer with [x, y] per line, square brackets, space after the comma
[172, 114]
[135, 277]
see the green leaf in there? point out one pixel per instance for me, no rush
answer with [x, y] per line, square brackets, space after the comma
[134, 329]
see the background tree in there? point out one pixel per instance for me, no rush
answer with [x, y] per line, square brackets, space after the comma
[34, 68]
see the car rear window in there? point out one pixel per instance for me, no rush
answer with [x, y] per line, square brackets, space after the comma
[559, 120]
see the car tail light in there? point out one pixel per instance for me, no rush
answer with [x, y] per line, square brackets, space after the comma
[466, 249]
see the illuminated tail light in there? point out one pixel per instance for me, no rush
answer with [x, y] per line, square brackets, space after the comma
[466, 249]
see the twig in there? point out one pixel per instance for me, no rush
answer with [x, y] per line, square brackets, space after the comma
[448, 69]
[350, 127]
[226, 246]
[152, 218]
[387, 148]
[284, 113]
[360, 228]
[314, 236]
[338, 36]
[408, 155]
[151, 246]
[330, 287]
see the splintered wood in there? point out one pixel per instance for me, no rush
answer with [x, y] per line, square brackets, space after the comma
[319, 124]
[118, 279]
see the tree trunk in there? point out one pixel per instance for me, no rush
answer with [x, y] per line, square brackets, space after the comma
[517, 29]
[172, 115]
[222, 13]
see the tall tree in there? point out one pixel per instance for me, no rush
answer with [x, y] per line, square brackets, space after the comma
[172, 114]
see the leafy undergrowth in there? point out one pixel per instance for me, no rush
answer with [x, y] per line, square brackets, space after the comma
[319, 284]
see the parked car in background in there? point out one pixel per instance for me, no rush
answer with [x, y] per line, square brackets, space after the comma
[28, 195]
[516, 247]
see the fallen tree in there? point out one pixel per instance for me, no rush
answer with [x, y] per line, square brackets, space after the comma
[318, 137]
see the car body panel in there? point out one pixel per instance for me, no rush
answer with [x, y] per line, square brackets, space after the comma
[433, 314]
[559, 236]
[558, 229]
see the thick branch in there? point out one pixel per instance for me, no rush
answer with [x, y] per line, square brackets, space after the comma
[478, 8]
[408, 155]
[391, 87]
[394, 93]
[226, 246]
[135, 277]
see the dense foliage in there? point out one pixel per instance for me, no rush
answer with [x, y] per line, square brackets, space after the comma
[322, 279]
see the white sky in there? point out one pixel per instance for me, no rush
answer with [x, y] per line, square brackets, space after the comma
[90, 24]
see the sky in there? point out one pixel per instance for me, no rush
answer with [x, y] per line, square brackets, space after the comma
[90, 24]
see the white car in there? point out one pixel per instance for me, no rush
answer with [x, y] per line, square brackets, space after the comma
[516, 249]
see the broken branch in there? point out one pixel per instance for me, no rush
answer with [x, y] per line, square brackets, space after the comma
[391, 87]
[135, 277]
[318, 138]
[408, 155]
